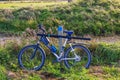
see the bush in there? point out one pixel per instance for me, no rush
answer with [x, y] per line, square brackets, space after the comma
[104, 53]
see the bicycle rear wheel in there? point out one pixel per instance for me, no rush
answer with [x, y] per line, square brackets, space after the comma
[82, 58]
[31, 58]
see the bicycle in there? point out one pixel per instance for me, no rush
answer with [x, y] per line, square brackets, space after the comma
[32, 57]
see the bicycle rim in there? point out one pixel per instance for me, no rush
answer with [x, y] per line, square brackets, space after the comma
[29, 63]
[83, 60]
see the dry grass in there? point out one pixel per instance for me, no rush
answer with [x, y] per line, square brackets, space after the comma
[17, 5]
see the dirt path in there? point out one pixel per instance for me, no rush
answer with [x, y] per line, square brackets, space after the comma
[113, 39]
[5, 39]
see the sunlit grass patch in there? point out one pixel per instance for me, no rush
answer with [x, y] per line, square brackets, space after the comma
[3, 72]
[36, 5]
[111, 73]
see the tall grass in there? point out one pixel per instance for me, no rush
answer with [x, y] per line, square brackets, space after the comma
[114, 72]
[103, 54]
[84, 17]
[3, 75]
[36, 5]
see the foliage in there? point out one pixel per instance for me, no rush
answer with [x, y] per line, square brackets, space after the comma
[93, 17]
[111, 72]
[104, 53]
[96, 17]
[3, 73]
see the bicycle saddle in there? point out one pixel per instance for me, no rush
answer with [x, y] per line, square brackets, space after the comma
[68, 32]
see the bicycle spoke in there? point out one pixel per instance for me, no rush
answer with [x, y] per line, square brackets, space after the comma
[26, 61]
[82, 57]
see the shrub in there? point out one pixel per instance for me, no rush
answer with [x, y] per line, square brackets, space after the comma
[106, 54]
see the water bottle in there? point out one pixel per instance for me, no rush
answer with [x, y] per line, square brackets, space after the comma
[60, 32]
[53, 49]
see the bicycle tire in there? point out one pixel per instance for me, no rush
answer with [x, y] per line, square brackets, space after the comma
[82, 50]
[26, 62]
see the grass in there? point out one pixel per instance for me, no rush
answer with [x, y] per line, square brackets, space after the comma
[106, 53]
[3, 73]
[100, 18]
[36, 5]
[103, 54]
[84, 17]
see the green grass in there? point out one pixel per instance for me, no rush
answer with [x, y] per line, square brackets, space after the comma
[3, 72]
[106, 55]
[96, 18]
[36, 5]
[84, 17]
[111, 73]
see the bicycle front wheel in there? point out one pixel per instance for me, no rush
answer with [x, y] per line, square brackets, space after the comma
[77, 57]
[31, 58]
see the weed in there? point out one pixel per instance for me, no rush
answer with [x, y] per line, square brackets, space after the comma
[112, 73]
[3, 75]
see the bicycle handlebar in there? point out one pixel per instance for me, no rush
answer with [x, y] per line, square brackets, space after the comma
[41, 28]
[60, 36]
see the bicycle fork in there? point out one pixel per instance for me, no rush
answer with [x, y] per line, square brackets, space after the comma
[34, 52]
